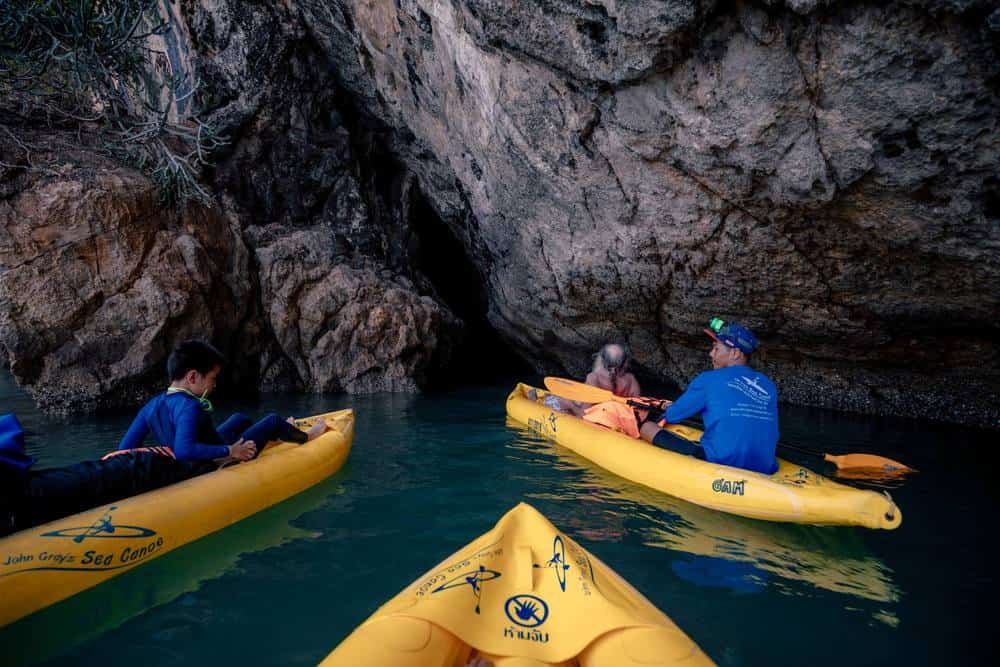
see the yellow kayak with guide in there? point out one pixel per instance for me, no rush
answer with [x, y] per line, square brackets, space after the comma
[522, 595]
[793, 493]
[45, 564]
[834, 560]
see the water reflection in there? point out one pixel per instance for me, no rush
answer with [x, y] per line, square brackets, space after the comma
[184, 570]
[743, 555]
[873, 478]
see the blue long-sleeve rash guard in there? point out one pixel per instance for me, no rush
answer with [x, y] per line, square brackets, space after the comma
[178, 421]
[739, 407]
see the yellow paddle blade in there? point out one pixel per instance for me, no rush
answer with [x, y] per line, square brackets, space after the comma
[870, 461]
[585, 393]
[578, 391]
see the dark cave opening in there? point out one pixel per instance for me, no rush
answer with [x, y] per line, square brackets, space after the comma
[482, 356]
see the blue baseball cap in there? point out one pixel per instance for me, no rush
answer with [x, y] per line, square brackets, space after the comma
[12, 444]
[733, 335]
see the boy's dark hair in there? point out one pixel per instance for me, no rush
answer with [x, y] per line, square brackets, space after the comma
[193, 355]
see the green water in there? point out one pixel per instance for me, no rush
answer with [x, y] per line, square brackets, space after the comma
[427, 474]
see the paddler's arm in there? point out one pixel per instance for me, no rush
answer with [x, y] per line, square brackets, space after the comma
[690, 403]
[185, 445]
[136, 434]
[632, 388]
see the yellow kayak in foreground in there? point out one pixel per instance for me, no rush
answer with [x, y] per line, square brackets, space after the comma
[793, 493]
[522, 595]
[45, 564]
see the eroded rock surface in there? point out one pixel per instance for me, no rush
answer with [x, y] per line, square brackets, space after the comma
[98, 280]
[824, 173]
[344, 328]
[325, 211]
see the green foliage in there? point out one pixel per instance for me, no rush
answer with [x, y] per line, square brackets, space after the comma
[92, 64]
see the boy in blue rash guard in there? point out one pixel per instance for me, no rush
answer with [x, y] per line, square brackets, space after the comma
[179, 418]
[738, 405]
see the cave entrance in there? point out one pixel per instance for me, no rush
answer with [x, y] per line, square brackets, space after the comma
[482, 357]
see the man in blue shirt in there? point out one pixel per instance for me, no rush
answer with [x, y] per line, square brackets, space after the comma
[738, 405]
[180, 418]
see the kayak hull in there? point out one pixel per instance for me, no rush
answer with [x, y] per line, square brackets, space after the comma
[46, 564]
[540, 600]
[793, 494]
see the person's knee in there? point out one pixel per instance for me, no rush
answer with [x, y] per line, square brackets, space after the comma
[648, 431]
[239, 418]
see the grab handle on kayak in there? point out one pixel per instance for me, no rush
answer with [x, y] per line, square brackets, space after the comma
[891, 514]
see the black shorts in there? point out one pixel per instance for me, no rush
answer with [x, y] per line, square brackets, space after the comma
[39, 496]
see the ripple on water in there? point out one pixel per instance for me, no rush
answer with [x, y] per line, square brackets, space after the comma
[429, 473]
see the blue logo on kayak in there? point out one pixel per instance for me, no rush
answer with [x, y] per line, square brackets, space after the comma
[140, 544]
[528, 611]
[558, 562]
[474, 580]
[102, 527]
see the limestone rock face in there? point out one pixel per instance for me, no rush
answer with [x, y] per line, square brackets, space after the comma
[824, 173]
[326, 215]
[343, 328]
[98, 281]
[303, 270]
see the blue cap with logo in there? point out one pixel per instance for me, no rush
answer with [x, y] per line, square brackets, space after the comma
[12, 444]
[732, 335]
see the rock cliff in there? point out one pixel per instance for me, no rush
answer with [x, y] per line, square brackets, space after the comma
[97, 279]
[824, 172]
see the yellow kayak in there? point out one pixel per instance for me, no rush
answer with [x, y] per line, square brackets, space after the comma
[45, 564]
[160, 581]
[522, 595]
[826, 558]
[793, 493]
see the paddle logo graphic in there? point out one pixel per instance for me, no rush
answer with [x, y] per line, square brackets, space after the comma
[552, 421]
[102, 527]
[750, 387]
[142, 543]
[528, 611]
[473, 580]
[558, 562]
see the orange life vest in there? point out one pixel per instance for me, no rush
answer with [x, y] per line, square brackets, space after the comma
[616, 416]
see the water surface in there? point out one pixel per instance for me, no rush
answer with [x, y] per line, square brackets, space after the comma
[429, 473]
